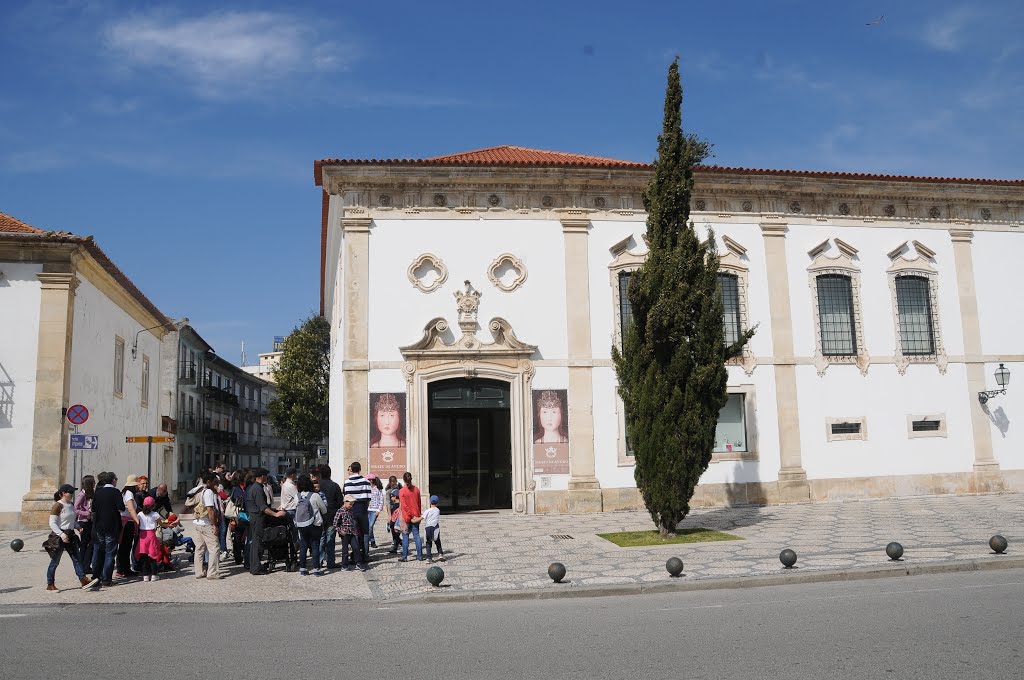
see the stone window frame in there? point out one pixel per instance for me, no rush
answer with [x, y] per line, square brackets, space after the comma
[921, 265]
[941, 432]
[624, 260]
[846, 437]
[145, 382]
[734, 262]
[749, 393]
[118, 375]
[840, 265]
[437, 263]
[515, 263]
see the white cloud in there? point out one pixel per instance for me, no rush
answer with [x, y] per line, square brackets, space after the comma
[226, 52]
[946, 31]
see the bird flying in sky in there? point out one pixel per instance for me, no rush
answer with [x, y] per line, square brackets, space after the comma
[876, 22]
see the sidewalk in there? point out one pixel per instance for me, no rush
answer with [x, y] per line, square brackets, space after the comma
[490, 554]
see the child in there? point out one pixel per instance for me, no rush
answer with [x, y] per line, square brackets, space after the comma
[148, 550]
[432, 521]
[394, 523]
[345, 525]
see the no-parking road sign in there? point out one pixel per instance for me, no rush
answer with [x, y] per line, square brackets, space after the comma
[78, 414]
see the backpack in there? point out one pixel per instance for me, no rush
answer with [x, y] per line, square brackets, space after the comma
[195, 503]
[305, 515]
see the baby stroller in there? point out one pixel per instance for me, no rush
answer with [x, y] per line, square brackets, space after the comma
[171, 536]
[279, 537]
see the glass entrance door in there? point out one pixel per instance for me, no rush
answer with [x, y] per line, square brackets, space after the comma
[470, 448]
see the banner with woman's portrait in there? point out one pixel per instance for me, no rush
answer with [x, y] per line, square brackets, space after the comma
[550, 432]
[387, 434]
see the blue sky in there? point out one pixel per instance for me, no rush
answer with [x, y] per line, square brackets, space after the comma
[183, 135]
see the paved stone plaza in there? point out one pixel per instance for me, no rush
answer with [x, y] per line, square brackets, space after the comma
[501, 552]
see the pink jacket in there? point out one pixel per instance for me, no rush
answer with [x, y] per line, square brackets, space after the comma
[83, 507]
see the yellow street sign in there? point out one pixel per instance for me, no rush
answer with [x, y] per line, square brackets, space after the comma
[146, 440]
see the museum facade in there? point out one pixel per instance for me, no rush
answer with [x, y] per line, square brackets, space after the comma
[474, 300]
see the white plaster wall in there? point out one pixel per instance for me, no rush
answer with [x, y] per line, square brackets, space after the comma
[997, 256]
[399, 311]
[1006, 417]
[97, 321]
[885, 398]
[19, 347]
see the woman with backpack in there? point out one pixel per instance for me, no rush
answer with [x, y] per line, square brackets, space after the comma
[309, 523]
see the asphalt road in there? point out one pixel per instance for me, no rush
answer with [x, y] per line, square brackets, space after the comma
[929, 627]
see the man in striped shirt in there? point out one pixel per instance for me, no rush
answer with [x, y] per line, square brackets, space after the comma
[358, 487]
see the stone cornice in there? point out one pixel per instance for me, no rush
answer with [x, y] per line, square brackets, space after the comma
[389, 192]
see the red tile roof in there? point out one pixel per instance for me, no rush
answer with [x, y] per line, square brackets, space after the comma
[521, 156]
[496, 155]
[10, 224]
[14, 228]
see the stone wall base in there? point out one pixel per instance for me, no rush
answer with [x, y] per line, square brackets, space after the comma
[772, 493]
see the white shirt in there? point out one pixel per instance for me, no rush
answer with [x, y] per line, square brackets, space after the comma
[127, 496]
[66, 520]
[210, 500]
[431, 518]
[148, 520]
[289, 495]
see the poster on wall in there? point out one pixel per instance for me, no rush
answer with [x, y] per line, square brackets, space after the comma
[387, 435]
[550, 432]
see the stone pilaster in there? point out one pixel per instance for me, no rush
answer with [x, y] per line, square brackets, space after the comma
[974, 366]
[356, 340]
[584, 488]
[53, 383]
[793, 484]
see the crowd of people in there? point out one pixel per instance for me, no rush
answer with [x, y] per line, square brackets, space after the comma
[111, 532]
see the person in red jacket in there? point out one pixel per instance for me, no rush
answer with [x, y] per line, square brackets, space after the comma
[409, 506]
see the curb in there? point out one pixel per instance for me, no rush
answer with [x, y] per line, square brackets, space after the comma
[732, 583]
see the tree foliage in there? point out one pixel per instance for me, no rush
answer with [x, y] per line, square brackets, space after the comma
[303, 376]
[671, 370]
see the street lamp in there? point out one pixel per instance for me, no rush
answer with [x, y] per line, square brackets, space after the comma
[1002, 379]
[178, 325]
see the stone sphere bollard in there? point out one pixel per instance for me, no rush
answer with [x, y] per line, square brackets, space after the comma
[556, 571]
[17, 544]
[788, 558]
[998, 544]
[894, 550]
[674, 565]
[435, 575]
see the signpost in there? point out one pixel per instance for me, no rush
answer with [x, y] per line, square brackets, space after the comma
[146, 439]
[79, 443]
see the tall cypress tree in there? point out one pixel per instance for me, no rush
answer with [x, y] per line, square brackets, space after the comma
[671, 370]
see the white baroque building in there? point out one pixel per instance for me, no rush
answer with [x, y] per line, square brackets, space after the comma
[474, 299]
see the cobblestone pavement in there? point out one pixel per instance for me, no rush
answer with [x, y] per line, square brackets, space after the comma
[501, 552]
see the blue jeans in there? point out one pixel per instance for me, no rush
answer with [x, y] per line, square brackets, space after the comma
[104, 551]
[434, 538]
[309, 539]
[222, 536]
[71, 548]
[413, 529]
[327, 548]
[369, 534]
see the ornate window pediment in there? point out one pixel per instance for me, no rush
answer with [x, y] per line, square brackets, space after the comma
[913, 284]
[835, 291]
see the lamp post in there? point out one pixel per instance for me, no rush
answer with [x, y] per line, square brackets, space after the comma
[177, 325]
[1002, 379]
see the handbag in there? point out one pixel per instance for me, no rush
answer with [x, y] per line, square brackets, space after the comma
[53, 545]
[230, 509]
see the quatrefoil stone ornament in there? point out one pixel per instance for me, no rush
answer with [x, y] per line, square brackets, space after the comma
[507, 272]
[427, 273]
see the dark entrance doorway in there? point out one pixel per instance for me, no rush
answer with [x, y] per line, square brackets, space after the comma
[470, 444]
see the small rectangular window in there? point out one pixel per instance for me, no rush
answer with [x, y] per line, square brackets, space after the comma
[921, 426]
[845, 428]
[118, 366]
[145, 381]
[731, 432]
